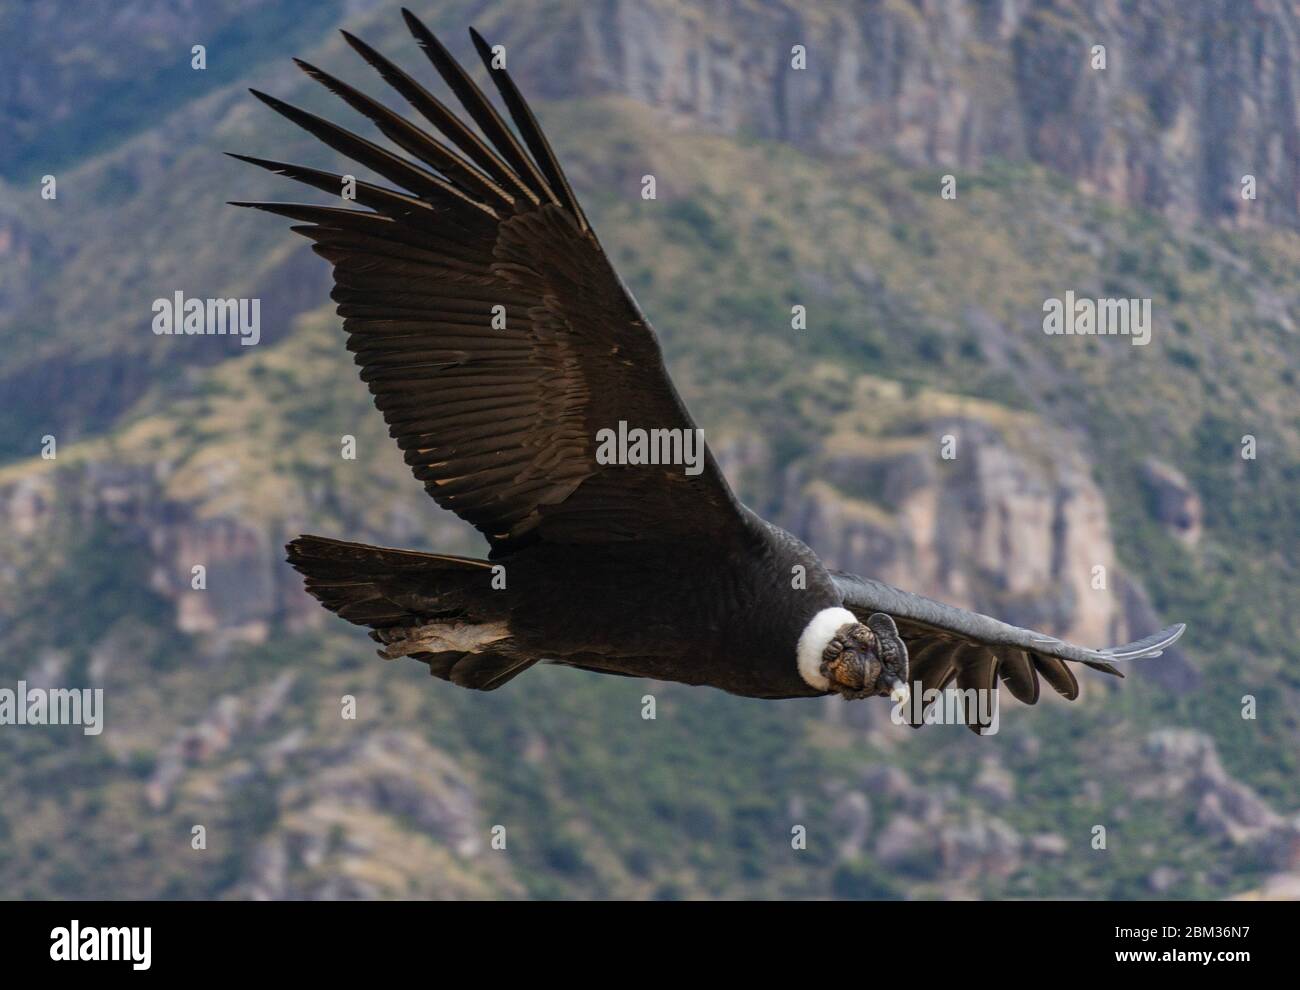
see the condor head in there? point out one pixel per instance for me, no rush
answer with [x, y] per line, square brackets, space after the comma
[864, 660]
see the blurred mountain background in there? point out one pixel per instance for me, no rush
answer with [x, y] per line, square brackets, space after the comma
[776, 187]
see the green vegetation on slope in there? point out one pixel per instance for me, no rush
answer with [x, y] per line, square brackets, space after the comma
[701, 800]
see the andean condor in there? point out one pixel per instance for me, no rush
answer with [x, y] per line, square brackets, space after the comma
[643, 570]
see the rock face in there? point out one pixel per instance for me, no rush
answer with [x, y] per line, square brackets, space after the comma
[980, 847]
[948, 83]
[247, 587]
[1189, 766]
[852, 822]
[238, 594]
[17, 250]
[930, 838]
[193, 745]
[953, 836]
[1174, 501]
[1010, 524]
[387, 816]
[955, 84]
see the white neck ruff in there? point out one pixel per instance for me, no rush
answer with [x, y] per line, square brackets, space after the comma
[813, 641]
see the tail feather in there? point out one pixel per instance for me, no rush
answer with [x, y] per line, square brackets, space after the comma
[408, 599]
[380, 587]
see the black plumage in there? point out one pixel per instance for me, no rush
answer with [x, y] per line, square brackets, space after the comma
[643, 570]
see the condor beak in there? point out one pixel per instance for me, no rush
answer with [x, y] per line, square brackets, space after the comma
[898, 691]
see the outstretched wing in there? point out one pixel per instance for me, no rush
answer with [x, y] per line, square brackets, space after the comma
[491, 328]
[946, 643]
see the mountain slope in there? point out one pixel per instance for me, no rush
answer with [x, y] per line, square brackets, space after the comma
[924, 320]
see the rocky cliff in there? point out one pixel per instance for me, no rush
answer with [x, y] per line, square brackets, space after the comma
[954, 85]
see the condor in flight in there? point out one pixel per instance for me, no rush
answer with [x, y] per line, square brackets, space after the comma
[500, 345]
